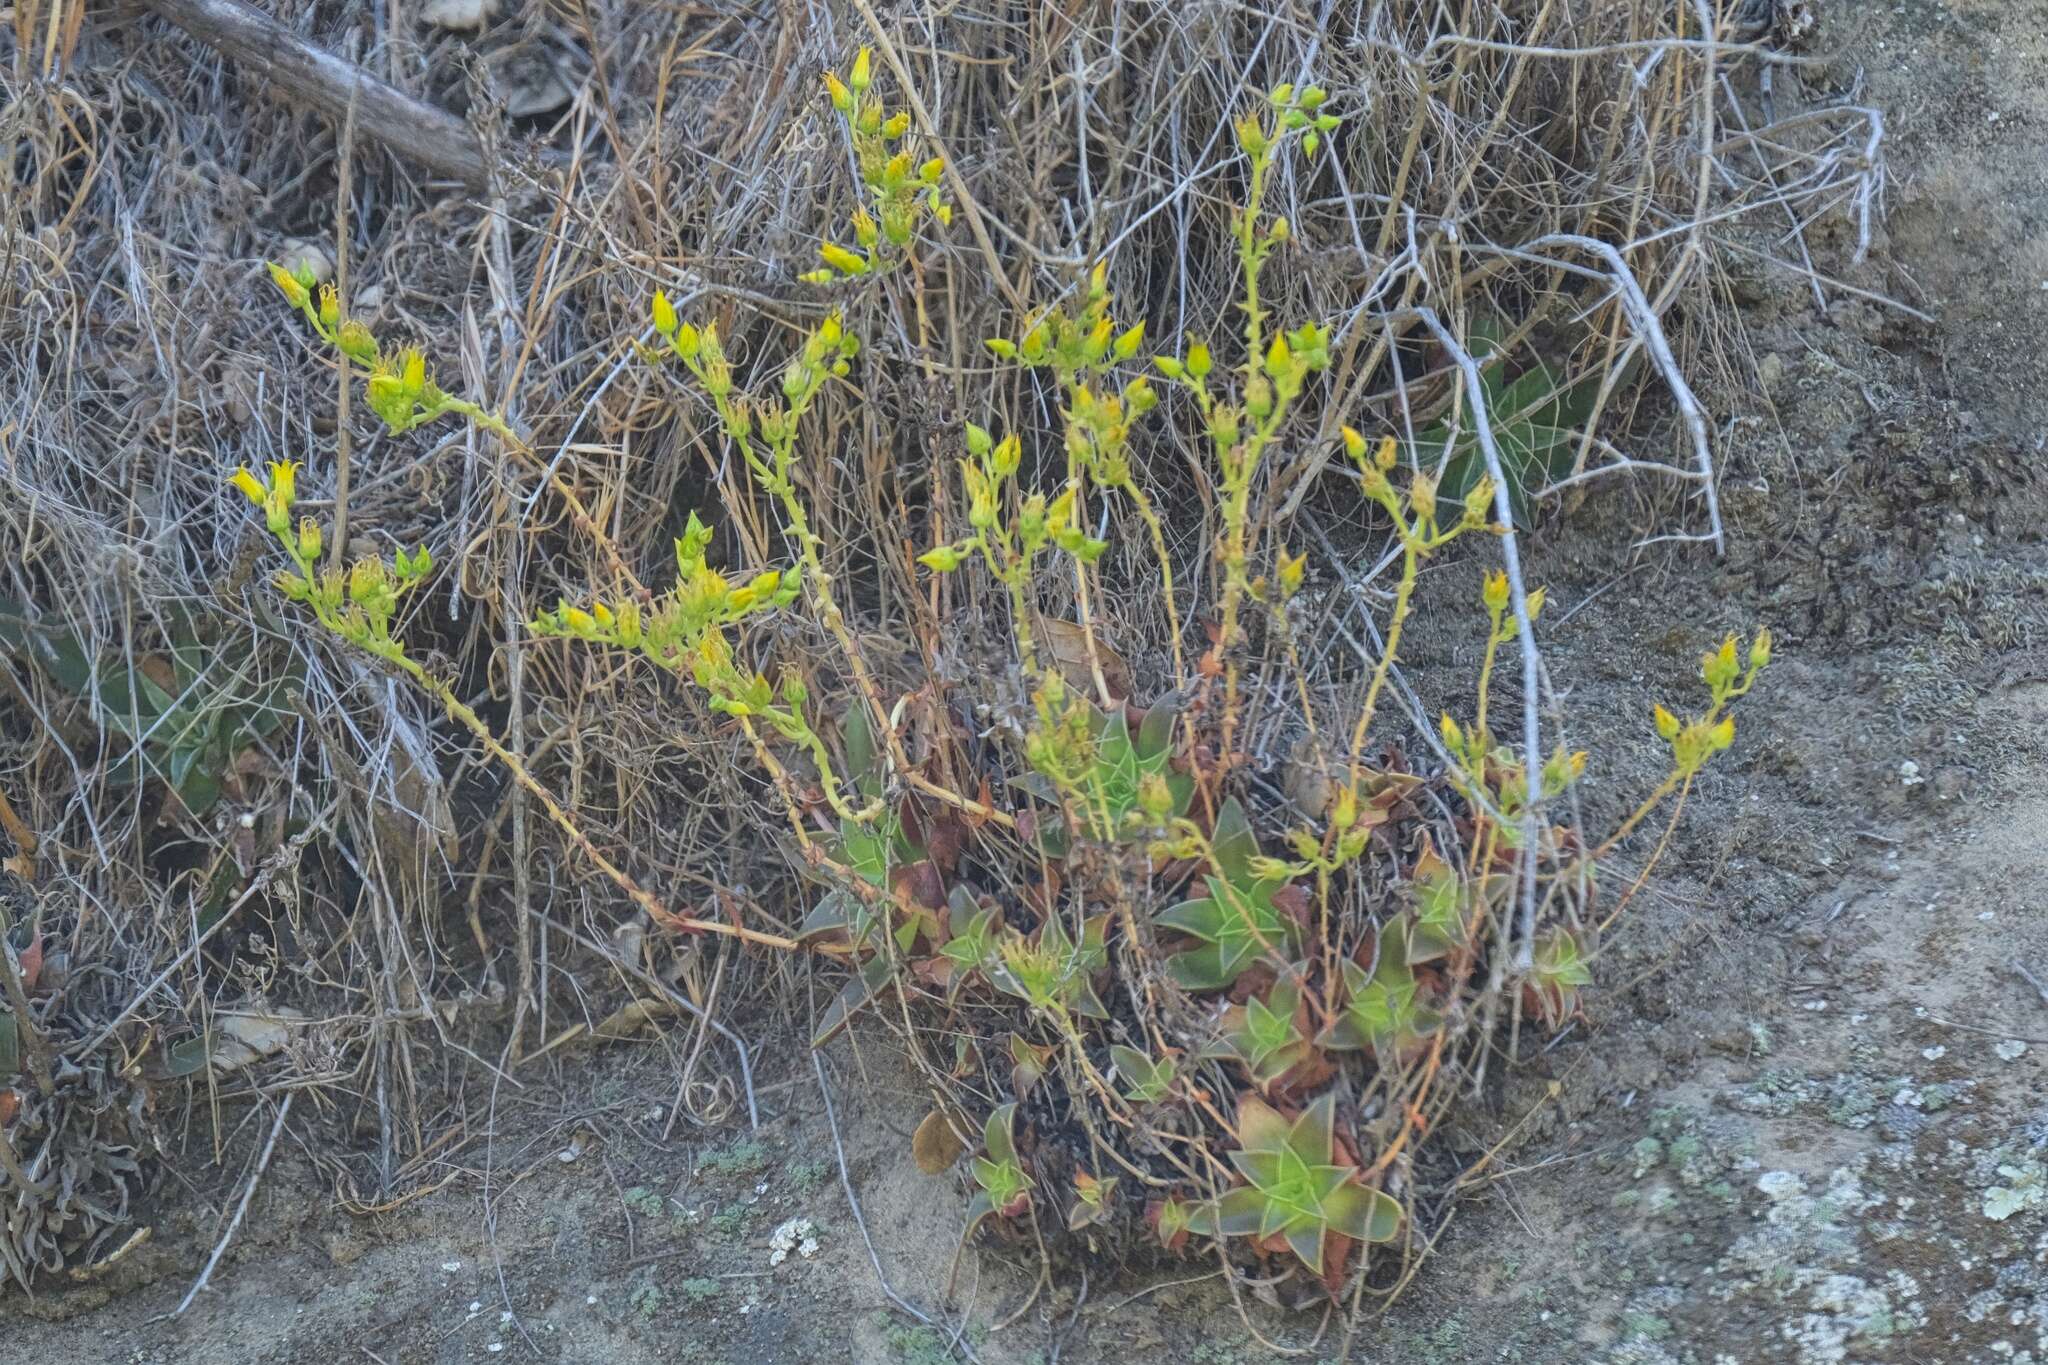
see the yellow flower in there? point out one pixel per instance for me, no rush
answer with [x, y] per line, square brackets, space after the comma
[251, 486]
[284, 481]
[1495, 593]
[861, 75]
[414, 375]
[356, 342]
[288, 284]
[665, 320]
[842, 98]
[842, 260]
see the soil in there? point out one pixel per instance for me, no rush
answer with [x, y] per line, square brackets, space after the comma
[1807, 1118]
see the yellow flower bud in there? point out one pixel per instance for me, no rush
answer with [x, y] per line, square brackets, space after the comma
[1344, 814]
[862, 74]
[842, 98]
[1760, 649]
[284, 482]
[842, 260]
[1008, 454]
[1278, 357]
[1477, 499]
[1667, 724]
[1292, 571]
[664, 314]
[309, 539]
[330, 306]
[288, 285]
[1494, 593]
[1422, 496]
[251, 486]
[1199, 362]
[355, 341]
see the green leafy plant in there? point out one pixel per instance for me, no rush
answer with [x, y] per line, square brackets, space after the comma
[1266, 1033]
[1054, 971]
[1385, 1009]
[1146, 1081]
[1238, 922]
[901, 188]
[1557, 975]
[1039, 865]
[1094, 1201]
[1298, 1191]
[186, 713]
[1115, 784]
[1003, 1188]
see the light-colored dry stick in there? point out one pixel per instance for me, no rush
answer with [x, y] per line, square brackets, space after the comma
[337, 556]
[2020, 969]
[957, 1340]
[255, 1177]
[417, 131]
[1511, 559]
[1651, 332]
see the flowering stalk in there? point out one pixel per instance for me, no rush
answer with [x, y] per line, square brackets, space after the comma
[358, 606]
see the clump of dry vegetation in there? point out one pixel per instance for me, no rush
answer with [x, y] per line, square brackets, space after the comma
[1001, 674]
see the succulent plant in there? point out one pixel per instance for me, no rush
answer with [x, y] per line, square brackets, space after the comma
[1145, 1081]
[1442, 904]
[1555, 976]
[1238, 922]
[1297, 1191]
[1384, 1009]
[1115, 783]
[1266, 1034]
[1004, 1187]
[1052, 970]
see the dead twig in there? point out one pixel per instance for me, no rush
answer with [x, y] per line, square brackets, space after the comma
[284, 1110]
[412, 129]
